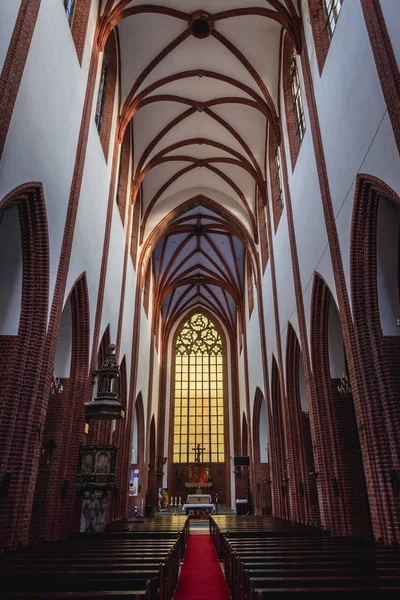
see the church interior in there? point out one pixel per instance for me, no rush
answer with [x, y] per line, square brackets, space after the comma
[199, 297]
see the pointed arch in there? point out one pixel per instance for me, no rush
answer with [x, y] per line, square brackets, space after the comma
[23, 406]
[279, 474]
[139, 416]
[302, 485]
[262, 474]
[341, 484]
[245, 448]
[374, 276]
[64, 423]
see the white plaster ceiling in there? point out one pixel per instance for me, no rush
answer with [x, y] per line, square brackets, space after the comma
[200, 110]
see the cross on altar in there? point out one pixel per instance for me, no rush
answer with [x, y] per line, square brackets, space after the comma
[197, 450]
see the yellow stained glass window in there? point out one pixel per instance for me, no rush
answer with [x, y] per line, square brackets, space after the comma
[199, 378]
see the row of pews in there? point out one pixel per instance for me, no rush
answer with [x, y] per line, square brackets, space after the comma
[265, 556]
[135, 560]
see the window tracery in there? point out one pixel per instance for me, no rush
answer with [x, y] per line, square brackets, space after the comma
[199, 401]
[332, 10]
[69, 6]
[297, 99]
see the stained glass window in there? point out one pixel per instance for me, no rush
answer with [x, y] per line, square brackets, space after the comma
[101, 95]
[199, 392]
[297, 100]
[332, 10]
[69, 6]
[278, 175]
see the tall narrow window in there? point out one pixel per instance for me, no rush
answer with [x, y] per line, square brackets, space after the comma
[101, 95]
[278, 176]
[332, 10]
[199, 393]
[297, 100]
[69, 6]
[118, 196]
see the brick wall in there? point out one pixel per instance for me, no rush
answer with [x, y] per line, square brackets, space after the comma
[8, 344]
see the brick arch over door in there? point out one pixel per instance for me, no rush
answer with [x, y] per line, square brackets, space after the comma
[378, 350]
[56, 509]
[262, 474]
[340, 477]
[23, 405]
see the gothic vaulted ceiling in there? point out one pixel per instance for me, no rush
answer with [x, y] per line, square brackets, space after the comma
[199, 78]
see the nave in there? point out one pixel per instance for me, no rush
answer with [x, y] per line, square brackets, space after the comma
[199, 280]
[232, 557]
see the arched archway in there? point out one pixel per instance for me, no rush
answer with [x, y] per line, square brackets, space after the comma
[261, 442]
[340, 480]
[118, 438]
[25, 304]
[152, 466]
[199, 416]
[245, 449]
[375, 295]
[63, 432]
[279, 473]
[301, 466]
[136, 453]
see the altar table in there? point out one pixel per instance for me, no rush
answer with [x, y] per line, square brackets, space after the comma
[198, 501]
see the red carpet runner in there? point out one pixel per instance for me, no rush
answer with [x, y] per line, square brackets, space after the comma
[201, 576]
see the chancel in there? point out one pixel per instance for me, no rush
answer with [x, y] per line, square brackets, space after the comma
[199, 296]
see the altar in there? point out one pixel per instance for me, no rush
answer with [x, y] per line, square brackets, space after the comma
[198, 503]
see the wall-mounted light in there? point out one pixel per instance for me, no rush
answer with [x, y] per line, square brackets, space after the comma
[345, 386]
[56, 387]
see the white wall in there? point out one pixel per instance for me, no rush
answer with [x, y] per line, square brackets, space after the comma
[42, 140]
[357, 138]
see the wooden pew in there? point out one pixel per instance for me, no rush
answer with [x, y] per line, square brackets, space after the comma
[263, 558]
[142, 565]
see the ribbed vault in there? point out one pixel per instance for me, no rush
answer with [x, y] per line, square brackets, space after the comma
[200, 81]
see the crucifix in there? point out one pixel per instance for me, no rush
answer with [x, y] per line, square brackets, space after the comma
[197, 450]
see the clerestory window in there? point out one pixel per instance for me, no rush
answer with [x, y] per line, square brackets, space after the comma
[278, 176]
[69, 6]
[199, 393]
[296, 96]
[101, 94]
[332, 10]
